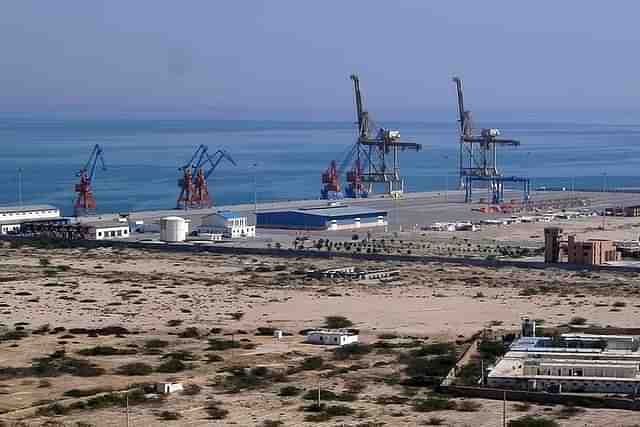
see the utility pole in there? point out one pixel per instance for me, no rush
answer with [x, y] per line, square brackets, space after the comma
[318, 392]
[19, 186]
[127, 402]
[504, 410]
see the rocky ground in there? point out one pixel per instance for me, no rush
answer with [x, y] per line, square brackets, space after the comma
[78, 324]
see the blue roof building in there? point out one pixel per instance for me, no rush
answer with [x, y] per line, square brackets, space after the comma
[322, 218]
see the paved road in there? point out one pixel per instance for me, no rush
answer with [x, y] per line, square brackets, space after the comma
[413, 208]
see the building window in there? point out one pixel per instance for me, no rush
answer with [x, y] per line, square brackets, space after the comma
[99, 233]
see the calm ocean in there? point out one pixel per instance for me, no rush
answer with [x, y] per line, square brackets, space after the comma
[143, 157]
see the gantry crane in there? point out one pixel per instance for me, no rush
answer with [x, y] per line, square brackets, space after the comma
[373, 148]
[478, 156]
[194, 191]
[85, 202]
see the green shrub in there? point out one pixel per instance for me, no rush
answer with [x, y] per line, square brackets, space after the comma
[59, 364]
[105, 351]
[219, 344]
[337, 322]
[339, 410]
[213, 358]
[437, 366]
[74, 392]
[577, 320]
[51, 410]
[169, 415]
[289, 390]
[181, 355]
[191, 389]
[135, 368]
[351, 351]
[155, 343]
[325, 395]
[312, 363]
[171, 366]
[491, 350]
[433, 404]
[215, 412]
[433, 349]
[190, 332]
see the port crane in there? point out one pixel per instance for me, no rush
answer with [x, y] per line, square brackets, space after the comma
[85, 201]
[478, 156]
[331, 188]
[377, 151]
[194, 190]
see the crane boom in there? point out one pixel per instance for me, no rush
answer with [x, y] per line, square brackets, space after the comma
[461, 111]
[96, 155]
[362, 126]
[215, 160]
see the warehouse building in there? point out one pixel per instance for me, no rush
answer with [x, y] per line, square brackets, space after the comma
[323, 218]
[11, 217]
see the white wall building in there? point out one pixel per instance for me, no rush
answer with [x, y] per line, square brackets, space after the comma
[231, 224]
[331, 337]
[12, 216]
[108, 230]
[570, 363]
[167, 388]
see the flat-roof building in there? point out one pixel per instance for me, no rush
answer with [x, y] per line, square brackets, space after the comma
[591, 252]
[11, 217]
[331, 337]
[107, 230]
[571, 362]
[230, 224]
[323, 218]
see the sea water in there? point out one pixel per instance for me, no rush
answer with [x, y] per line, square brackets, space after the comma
[281, 160]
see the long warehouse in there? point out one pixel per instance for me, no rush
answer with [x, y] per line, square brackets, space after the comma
[322, 218]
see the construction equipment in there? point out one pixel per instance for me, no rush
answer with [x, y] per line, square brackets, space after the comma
[85, 202]
[194, 190]
[478, 156]
[373, 147]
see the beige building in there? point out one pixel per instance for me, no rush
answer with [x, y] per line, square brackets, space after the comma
[591, 252]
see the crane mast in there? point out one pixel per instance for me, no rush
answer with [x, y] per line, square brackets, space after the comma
[478, 159]
[194, 190]
[85, 203]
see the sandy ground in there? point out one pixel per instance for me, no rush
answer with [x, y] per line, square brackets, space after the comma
[143, 290]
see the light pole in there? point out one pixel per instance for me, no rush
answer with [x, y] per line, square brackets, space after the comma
[255, 166]
[446, 181]
[19, 186]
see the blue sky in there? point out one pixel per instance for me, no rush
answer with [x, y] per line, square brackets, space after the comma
[292, 59]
